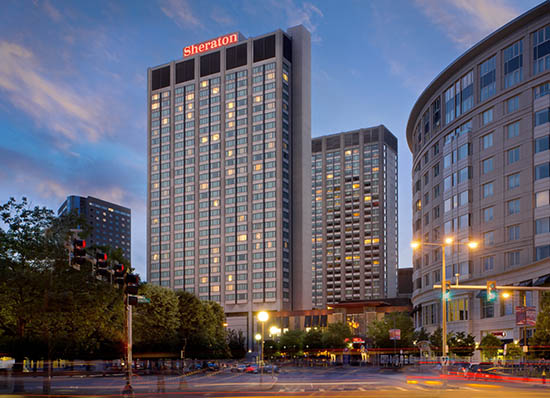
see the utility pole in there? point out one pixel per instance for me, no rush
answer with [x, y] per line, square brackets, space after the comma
[129, 339]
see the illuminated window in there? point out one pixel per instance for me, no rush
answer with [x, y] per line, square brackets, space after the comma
[215, 203]
[180, 108]
[367, 198]
[155, 220]
[271, 75]
[204, 279]
[258, 235]
[230, 124]
[329, 176]
[190, 96]
[242, 238]
[229, 278]
[204, 140]
[258, 98]
[190, 115]
[155, 105]
[216, 137]
[285, 77]
[215, 90]
[355, 186]
[215, 288]
[230, 115]
[258, 167]
[229, 172]
[230, 105]
[229, 153]
[204, 185]
[204, 83]
[165, 121]
[155, 97]
[347, 153]
[190, 106]
[230, 287]
[241, 218]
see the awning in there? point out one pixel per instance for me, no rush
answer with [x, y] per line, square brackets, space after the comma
[543, 280]
[526, 283]
[481, 294]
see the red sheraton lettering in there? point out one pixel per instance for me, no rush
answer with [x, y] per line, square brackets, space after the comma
[211, 44]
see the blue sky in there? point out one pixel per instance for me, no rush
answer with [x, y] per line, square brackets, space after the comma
[73, 81]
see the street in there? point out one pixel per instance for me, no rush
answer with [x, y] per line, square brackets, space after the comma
[330, 382]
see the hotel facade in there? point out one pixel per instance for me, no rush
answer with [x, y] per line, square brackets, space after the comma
[354, 216]
[229, 145]
[479, 135]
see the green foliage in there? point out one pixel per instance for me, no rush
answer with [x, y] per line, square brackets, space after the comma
[513, 351]
[421, 335]
[292, 341]
[236, 342]
[542, 332]
[436, 340]
[335, 335]
[489, 346]
[379, 331]
[155, 325]
[49, 309]
[270, 348]
[313, 339]
[460, 344]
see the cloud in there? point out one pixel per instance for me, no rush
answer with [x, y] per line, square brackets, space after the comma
[180, 12]
[221, 17]
[466, 22]
[68, 113]
[51, 11]
[306, 14]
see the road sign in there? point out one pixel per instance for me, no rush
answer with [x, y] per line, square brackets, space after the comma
[395, 334]
[141, 299]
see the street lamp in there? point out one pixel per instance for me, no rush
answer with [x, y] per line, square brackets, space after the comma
[263, 316]
[446, 242]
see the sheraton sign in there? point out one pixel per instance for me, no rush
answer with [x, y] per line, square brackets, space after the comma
[211, 44]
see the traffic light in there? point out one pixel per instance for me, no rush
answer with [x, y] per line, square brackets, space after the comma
[447, 292]
[491, 291]
[102, 268]
[119, 272]
[131, 288]
[79, 252]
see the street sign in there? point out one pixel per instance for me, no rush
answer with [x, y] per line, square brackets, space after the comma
[395, 334]
[141, 299]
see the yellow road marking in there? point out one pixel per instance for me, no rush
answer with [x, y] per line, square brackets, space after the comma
[432, 382]
[483, 385]
[412, 381]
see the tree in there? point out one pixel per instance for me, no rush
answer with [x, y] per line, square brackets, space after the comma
[461, 345]
[155, 326]
[291, 342]
[489, 346]
[542, 332]
[313, 339]
[513, 351]
[214, 321]
[271, 347]
[379, 331]
[421, 335]
[436, 340]
[48, 308]
[336, 334]
[236, 343]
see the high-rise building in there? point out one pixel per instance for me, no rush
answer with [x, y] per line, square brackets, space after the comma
[229, 144]
[479, 134]
[110, 223]
[354, 216]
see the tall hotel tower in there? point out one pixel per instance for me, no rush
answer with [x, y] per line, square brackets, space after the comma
[229, 147]
[354, 211]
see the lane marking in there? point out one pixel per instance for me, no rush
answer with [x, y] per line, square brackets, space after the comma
[483, 385]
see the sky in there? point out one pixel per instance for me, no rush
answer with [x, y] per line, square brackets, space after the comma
[73, 81]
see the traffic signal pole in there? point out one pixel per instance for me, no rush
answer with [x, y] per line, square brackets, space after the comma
[129, 339]
[484, 287]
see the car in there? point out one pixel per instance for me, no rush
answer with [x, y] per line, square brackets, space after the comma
[478, 370]
[251, 369]
[458, 368]
[271, 369]
[238, 368]
[211, 366]
[196, 366]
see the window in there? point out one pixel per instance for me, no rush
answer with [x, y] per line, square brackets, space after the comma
[435, 170]
[489, 238]
[487, 165]
[542, 90]
[512, 130]
[513, 155]
[542, 117]
[542, 198]
[513, 232]
[487, 309]
[542, 225]
[513, 64]
[513, 181]
[488, 189]
[542, 252]
[541, 50]
[488, 214]
[487, 116]
[542, 144]
[488, 263]
[542, 171]
[512, 259]
[487, 78]
[487, 141]
[512, 104]
[513, 207]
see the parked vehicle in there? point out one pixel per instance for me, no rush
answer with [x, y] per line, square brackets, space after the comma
[251, 369]
[459, 368]
[211, 366]
[271, 369]
[238, 368]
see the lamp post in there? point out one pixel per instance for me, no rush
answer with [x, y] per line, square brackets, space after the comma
[263, 316]
[447, 242]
